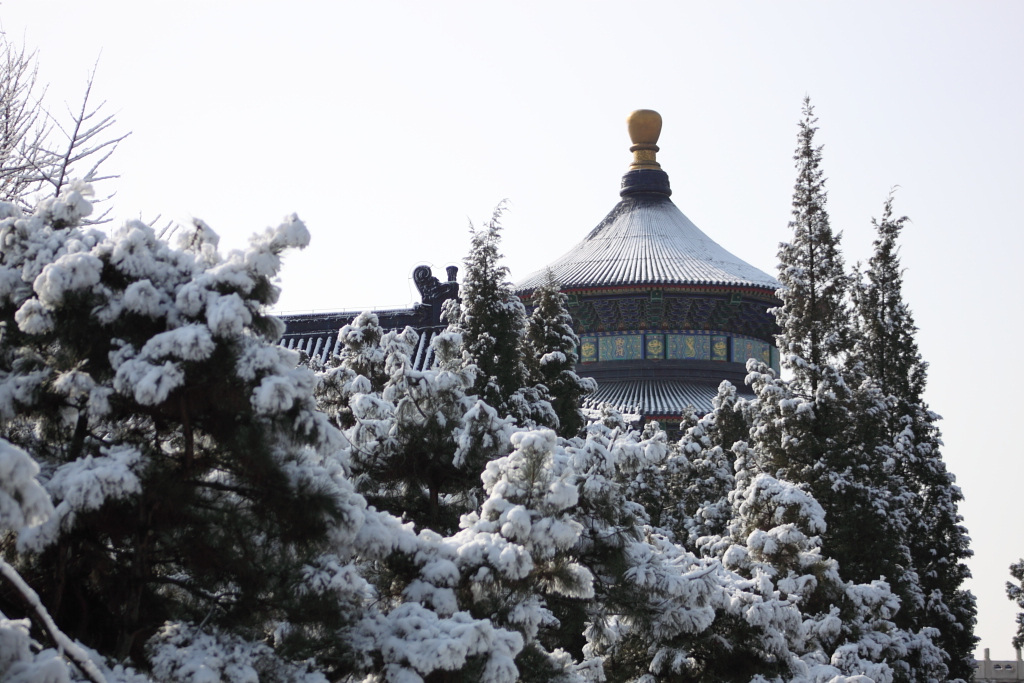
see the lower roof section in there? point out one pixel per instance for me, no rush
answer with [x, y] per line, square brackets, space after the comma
[323, 343]
[657, 398]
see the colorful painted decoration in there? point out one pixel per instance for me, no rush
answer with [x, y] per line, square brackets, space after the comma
[744, 349]
[689, 346]
[655, 345]
[588, 349]
[620, 347]
[719, 347]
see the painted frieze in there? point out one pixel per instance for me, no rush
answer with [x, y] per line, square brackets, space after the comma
[654, 346]
[620, 347]
[689, 346]
[719, 347]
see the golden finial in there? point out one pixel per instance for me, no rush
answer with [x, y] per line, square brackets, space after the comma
[644, 130]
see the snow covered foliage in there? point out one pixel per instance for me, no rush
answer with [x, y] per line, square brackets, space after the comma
[181, 495]
[552, 357]
[181, 653]
[492, 322]
[706, 463]
[848, 426]
[418, 445]
[937, 543]
[191, 475]
[362, 349]
[815, 316]
[23, 501]
[24, 504]
[517, 550]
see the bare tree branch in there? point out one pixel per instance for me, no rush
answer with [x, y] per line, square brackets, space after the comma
[40, 155]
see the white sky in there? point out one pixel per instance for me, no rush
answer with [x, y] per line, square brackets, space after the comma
[388, 126]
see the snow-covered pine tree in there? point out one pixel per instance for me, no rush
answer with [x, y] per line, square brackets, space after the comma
[193, 480]
[359, 367]
[554, 355]
[843, 629]
[935, 537]
[492, 322]
[814, 317]
[702, 496]
[518, 550]
[362, 351]
[808, 425]
[659, 612]
[419, 446]
[821, 429]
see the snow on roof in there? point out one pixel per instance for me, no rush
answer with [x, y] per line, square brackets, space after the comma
[324, 343]
[646, 239]
[655, 397]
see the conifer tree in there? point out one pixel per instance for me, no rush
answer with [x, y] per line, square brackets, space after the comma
[708, 448]
[492, 322]
[419, 446]
[191, 475]
[823, 428]
[814, 318]
[362, 350]
[554, 355]
[935, 538]
[169, 494]
[846, 628]
[1016, 593]
[808, 425]
[517, 550]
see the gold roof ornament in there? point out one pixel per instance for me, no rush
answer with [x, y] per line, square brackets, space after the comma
[644, 131]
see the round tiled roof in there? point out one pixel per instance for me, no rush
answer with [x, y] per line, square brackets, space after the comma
[647, 240]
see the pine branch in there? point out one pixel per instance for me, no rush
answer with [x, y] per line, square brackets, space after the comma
[65, 645]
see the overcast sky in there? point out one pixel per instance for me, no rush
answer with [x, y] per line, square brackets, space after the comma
[389, 126]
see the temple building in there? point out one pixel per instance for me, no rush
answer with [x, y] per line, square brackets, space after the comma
[316, 334]
[664, 313]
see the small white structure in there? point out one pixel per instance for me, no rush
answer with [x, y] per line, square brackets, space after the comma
[988, 670]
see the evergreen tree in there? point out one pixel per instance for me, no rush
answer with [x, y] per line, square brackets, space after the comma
[359, 368]
[517, 550]
[824, 428]
[492, 322]
[814, 318]
[554, 355]
[363, 349]
[846, 628]
[1016, 593]
[174, 499]
[936, 540]
[708, 449]
[816, 428]
[419, 446]
[191, 475]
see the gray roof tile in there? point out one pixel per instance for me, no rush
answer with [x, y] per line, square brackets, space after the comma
[646, 239]
[652, 397]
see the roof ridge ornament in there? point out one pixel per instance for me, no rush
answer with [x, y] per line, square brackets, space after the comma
[644, 175]
[644, 130]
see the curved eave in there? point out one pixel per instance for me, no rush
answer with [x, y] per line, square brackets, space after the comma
[756, 292]
[661, 399]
